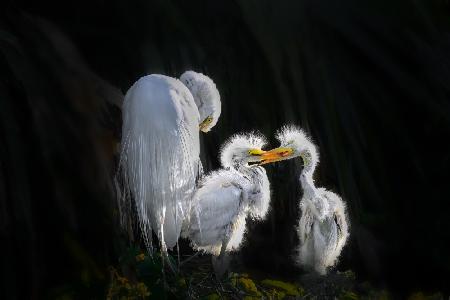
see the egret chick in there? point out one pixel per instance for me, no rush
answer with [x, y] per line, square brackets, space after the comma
[323, 226]
[160, 148]
[225, 197]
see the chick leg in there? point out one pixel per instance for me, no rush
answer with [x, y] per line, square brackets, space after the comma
[222, 262]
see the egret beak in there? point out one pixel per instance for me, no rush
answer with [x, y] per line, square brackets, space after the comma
[256, 152]
[276, 154]
[256, 156]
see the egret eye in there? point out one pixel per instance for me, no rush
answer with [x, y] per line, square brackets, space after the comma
[207, 120]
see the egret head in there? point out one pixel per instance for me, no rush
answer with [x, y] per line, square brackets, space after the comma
[242, 150]
[294, 142]
[206, 96]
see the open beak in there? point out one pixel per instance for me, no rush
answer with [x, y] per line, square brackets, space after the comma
[257, 154]
[275, 155]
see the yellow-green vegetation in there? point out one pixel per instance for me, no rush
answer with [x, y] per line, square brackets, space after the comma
[213, 296]
[286, 287]
[139, 276]
[348, 296]
[349, 274]
[182, 282]
[422, 296]
[121, 288]
[140, 257]
[246, 284]
[267, 288]
[274, 294]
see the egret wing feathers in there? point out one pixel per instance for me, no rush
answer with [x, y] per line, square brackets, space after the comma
[218, 210]
[160, 154]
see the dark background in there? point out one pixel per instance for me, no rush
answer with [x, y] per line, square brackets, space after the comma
[369, 80]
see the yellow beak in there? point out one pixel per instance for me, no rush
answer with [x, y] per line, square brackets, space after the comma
[277, 154]
[256, 152]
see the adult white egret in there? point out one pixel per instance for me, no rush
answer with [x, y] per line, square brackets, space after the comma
[323, 226]
[160, 149]
[225, 197]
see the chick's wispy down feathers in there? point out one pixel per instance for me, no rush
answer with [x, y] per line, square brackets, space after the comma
[240, 142]
[225, 197]
[294, 136]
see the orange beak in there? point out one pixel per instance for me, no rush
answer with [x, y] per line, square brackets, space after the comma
[276, 154]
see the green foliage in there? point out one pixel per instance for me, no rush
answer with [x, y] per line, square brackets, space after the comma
[121, 288]
[348, 296]
[152, 271]
[288, 288]
[245, 284]
[140, 276]
[147, 277]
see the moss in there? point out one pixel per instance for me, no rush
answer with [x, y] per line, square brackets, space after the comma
[120, 287]
[140, 257]
[347, 295]
[213, 296]
[274, 294]
[243, 282]
[288, 288]
[249, 286]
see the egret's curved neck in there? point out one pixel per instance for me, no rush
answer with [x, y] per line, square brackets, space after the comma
[246, 171]
[306, 178]
[307, 182]
[309, 162]
[252, 173]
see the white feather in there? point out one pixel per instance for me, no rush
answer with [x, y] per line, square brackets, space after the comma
[322, 234]
[160, 154]
[205, 94]
[323, 226]
[225, 198]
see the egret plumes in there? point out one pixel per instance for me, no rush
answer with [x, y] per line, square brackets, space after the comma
[160, 148]
[227, 196]
[323, 226]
